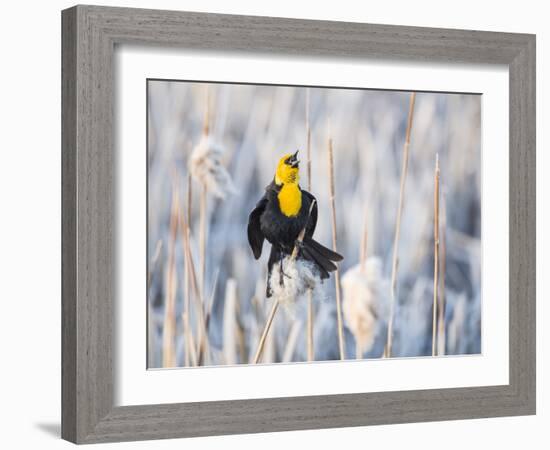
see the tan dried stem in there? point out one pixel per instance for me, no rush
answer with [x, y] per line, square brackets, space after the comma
[202, 236]
[230, 325]
[358, 350]
[308, 142]
[310, 312]
[206, 121]
[395, 260]
[203, 203]
[169, 328]
[191, 354]
[436, 256]
[190, 351]
[189, 199]
[441, 329]
[291, 341]
[267, 327]
[202, 334]
[335, 248]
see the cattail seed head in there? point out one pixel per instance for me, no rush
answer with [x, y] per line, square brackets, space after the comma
[206, 167]
[299, 277]
[363, 302]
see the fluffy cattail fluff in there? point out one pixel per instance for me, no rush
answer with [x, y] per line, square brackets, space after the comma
[363, 304]
[299, 276]
[206, 167]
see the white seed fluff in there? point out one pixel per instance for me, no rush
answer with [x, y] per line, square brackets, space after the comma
[206, 166]
[299, 276]
[362, 298]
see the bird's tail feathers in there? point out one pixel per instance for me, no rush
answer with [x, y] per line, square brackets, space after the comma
[323, 257]
[319, 262]
[322, 250]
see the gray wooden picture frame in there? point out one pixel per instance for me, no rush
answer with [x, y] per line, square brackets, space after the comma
[89, 36]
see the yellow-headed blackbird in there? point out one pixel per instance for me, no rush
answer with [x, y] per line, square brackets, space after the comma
[280, 216]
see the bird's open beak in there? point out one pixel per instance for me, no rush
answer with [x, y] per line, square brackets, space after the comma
[293, 161]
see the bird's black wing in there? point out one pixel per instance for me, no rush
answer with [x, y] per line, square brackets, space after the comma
[255, 235]
[312, 222]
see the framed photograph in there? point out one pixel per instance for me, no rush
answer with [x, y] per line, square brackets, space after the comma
[278, 224]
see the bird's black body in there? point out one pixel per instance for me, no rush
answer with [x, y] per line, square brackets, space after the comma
[281, 230]
[267, 221]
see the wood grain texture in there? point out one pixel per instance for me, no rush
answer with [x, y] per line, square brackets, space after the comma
[68, 225]
[89, 216]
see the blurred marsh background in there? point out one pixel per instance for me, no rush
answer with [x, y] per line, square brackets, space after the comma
[212, 149]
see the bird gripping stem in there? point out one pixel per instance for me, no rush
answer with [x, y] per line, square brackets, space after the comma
[302, 233]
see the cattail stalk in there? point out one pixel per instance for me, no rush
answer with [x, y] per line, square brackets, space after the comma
[363, 260]
[210, 304]
[334, 247]
[202, 334]
[436, 255]
[151, 336]
[267, 327]
[441, 338]
[230, 322]
[191, 354]
[169, 328]
[308, 142]
[310, 318]
[395, 262]
[206, 121]
[202, 236]
[202, 344]
[358, 350]
[275, 306]
[188, 333]
[189, 345]
[291, 341]
[203, 204]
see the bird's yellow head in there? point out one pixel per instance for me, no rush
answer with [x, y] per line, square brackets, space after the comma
[288, 169]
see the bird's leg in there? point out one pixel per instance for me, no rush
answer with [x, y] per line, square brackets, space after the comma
[282, 274]
[300, 244]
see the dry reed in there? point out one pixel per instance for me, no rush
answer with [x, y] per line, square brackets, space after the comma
[359, 351]
[310, 312]
[191, 354]
[335, 248]
[404, 167]
[441, 329]
[210, 304]
[436, 255]
[230, 322]
[267, 327]
[202, 333]
[203, 202]
[291, 341]
[169, 329]
[202, 236]
[188, 333]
